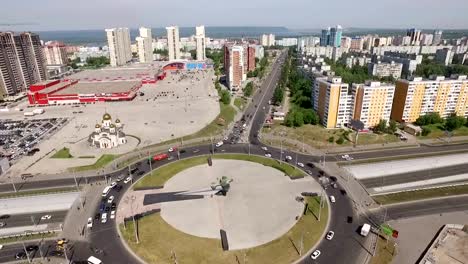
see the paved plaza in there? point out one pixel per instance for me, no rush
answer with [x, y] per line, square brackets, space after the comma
[260, 206]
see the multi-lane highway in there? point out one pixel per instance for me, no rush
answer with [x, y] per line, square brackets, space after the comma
[33, 219]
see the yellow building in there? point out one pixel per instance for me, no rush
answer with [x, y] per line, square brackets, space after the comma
[372, 102]
[417, 97]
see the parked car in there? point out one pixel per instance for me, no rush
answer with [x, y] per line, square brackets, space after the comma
[46, 217]
[288, 158]
[128, 179]
[112, 216]
[265, 148]
[111, 199]
[104, 218]
[300, 164]
[90, 223]
[315, 254]
[330, 235]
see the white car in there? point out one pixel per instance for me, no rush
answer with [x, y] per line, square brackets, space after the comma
[104, 218]
[113, 184]
[128, 179]
[219, 144]
[46, 217]
[225, 138]
[315, 254]
[172, 149]
[268, 155]
[330, 235]
[90, 223]
[332, 199]
[112, 216]
[288, 158]
[111, 199]
[264, 148]
[300, 164]
[345, 156]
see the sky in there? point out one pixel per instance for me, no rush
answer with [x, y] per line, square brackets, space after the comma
[41, 15]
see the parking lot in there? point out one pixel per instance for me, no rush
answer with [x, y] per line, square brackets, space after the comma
[18, 138]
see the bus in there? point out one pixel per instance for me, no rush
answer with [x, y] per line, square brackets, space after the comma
[106, 191]
[94, 260]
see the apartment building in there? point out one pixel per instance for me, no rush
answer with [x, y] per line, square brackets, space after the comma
[234, 65]
[173, 43]
[417, 96]
[22, 62]
[55, 53]
[145, 45]
[268, 40]
[118, 40]
[384, 69]
[200, 42]
[372, 102]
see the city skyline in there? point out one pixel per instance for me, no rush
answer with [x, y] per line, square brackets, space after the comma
[49, 15]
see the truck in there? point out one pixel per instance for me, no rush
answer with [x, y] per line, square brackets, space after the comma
[38, 111]
[365, 230]
[160, 156]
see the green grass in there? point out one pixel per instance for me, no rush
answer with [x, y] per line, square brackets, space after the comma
[26, 237]
[64, 153]
[158, 239]
[420, 194]
[37, 192]
[240, 102]
[384, 253]
[101, 162]
[437, 130]
[317, 136]
[221, 122]
[161, 175]
[86, 157]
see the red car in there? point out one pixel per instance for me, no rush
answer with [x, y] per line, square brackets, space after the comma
[160, 157]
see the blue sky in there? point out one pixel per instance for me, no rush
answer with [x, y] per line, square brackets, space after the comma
[309, 14]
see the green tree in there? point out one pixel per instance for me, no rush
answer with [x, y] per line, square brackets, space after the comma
[454, 122]
[429, 119]
[310, 117]
[162, 52]
[340, 141]
[298, 119]
[381, 126]
[225, 97]
[331, 139]
[425, 131]
[278, 96]
[392, 126]
[248, 89]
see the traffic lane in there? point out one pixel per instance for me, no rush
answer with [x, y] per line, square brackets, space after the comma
[27, 219]
[415, 176]
[425, 207]
[8, 252]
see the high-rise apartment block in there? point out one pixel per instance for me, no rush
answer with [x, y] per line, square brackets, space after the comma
[234, 64]
[118, 40]
[331, 36]
[385, 69]
[173, 43]
[356, 44]
[201, 42]
[55, 53]
[22, 62]
[415, 36]
[145, 45]
[444, 56]
[427, 39]
[250, 58]
[372, 102]
[416, 97]
[437, 37]
[268, 40]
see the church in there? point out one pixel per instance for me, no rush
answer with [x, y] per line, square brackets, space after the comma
[107, 134]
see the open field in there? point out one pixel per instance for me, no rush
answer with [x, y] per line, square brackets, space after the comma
[319, 137]
[159, 242]
[63, 153]
[101, 162]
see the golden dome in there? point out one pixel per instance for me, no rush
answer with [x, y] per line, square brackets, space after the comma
[112, 125]
[98, 126]
[106, 116]
[117, 120]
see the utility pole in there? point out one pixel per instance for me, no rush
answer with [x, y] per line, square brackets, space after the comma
[65, 253]
[249, 148]
[14, 187]
[25, 251]
[321, 201]
[134, 223]
[281, 151]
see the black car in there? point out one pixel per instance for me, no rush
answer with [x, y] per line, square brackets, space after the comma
[310, 164]
[32, 248]
[107, 209]
[343, 192]
[113, 206]
[182, 151]
[4, 216]
[350, 219]
[97, 216]
[20, 255]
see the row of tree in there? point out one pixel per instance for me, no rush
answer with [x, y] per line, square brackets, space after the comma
[260, 69]
[428, 68]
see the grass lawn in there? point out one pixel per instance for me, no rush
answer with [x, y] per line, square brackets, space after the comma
[64, 153]
[318, 136]
[26, 237]
[240, 102]
[421, 194]
[159, 241]
[101, 162]
[437, 130]
[384, 253]
[161, 175]
[217, 126]
[37, 192]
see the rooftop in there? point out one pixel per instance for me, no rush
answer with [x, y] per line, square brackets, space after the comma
[99, 87]
[136, 71]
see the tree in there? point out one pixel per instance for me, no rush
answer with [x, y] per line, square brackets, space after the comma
[248, 89]
[310, 117]
[289, 120]
[429, 119]
[381, 126]
[454, 122]
[225, 97]
[162, 52]
[298, 119]
[278, 95]
[392, 126]
[331, 139]
[425, 131]
[340, 141]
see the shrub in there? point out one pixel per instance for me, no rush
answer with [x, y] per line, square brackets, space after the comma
[331, 139]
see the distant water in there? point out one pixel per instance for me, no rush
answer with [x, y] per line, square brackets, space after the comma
[98, 37]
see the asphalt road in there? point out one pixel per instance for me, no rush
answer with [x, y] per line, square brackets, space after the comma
[27, 219]
[415, 176]
[46, 248]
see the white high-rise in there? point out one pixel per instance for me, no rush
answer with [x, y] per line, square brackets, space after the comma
[173, 43]
[118, 40]
[201, 42]
[145, 43]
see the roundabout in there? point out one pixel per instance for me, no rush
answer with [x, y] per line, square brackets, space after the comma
[261, 214]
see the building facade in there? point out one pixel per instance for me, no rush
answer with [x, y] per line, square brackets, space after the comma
[118, 40]
[385, 69]
[331, 36]
[55, 53]
[107, 135]
[145, 45]
[173, 43]
[268, 40]
[444, 56]
[415, 36]
[22, 62]
[437, 37]
[234, 66]
[201, 42]
[416, 97]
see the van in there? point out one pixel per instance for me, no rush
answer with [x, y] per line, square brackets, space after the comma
[106, 191]
[94, 260]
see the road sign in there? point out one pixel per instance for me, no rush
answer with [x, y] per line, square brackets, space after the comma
[387, 230]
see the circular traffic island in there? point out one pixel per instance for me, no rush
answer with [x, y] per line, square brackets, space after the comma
[236, 207]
